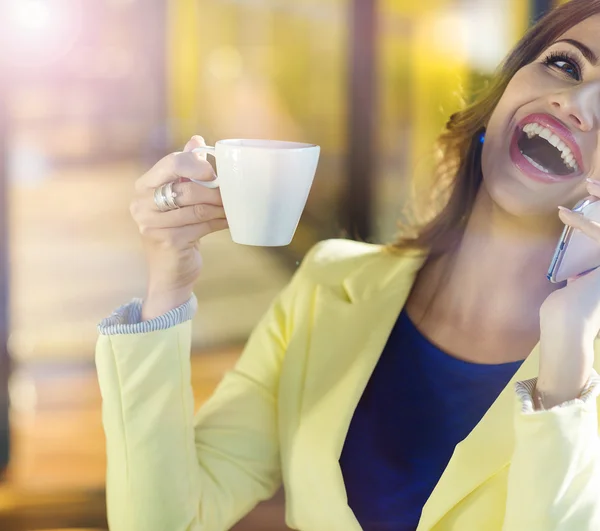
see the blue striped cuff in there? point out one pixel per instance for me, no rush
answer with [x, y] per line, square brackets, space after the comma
[127, 319]
[526, 389]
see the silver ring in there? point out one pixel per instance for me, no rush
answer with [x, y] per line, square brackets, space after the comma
[170, 196]
[164, 198]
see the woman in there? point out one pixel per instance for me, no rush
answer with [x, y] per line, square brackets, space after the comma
[380, 386]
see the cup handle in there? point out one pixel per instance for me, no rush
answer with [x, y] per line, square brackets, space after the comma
[209, 150]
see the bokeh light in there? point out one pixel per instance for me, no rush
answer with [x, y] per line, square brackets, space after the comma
[39, 32]
[31, 15]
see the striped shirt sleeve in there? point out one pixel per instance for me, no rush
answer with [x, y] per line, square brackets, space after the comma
[127, 319]
[525, 390]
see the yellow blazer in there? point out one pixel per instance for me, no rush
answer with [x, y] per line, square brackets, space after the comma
[283, 413]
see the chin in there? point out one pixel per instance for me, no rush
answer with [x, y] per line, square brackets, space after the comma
[512, 197]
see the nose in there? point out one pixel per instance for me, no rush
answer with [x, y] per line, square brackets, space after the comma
[578, 106]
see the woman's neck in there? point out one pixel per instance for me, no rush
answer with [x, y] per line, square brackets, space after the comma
[496, 280]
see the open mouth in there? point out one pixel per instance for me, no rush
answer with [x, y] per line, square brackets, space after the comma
[546, 151]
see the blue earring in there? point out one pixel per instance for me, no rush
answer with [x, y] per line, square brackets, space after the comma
[482, 138]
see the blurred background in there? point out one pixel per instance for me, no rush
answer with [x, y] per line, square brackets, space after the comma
[92, 93]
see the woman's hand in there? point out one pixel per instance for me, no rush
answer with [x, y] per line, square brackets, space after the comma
[570, 321]
[171, 239]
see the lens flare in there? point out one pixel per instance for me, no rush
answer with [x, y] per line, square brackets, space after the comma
[31, 15]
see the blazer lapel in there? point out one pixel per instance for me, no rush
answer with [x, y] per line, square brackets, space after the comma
[349, 331]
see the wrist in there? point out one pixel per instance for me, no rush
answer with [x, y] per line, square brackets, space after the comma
[565, 367]
[547, 396]
[160, 301]
[554, 390]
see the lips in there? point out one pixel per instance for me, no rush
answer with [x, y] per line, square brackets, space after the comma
[560, 130]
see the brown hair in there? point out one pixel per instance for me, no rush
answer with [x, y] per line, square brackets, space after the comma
[458, 173]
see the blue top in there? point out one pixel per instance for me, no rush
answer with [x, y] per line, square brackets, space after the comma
[419, 403]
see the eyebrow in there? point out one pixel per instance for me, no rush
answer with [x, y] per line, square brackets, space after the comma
[587, 52]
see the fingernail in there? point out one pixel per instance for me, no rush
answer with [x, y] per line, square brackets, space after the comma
[593, 181]
[569, 212]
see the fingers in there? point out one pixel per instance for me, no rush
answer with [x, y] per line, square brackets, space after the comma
[189, 193]
[593, 187]
[191, 215]
[201, 209]
[175, 166]
[579, 221]
[195, 142]
[180, 237]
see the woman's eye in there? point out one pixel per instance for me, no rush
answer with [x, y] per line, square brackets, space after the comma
[568, 68]
[566, 64]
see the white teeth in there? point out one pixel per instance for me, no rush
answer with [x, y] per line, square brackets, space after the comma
[554, 140]
[538, 166]
[533, 129]
[566, 152]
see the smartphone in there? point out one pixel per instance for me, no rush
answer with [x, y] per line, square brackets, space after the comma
[576, 253]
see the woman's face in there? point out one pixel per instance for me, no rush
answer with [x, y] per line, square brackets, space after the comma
[543, 139]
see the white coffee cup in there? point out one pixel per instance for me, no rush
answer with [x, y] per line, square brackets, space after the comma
[264, 186]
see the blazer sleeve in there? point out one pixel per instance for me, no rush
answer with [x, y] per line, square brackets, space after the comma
[554, 477]
[171, 470]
